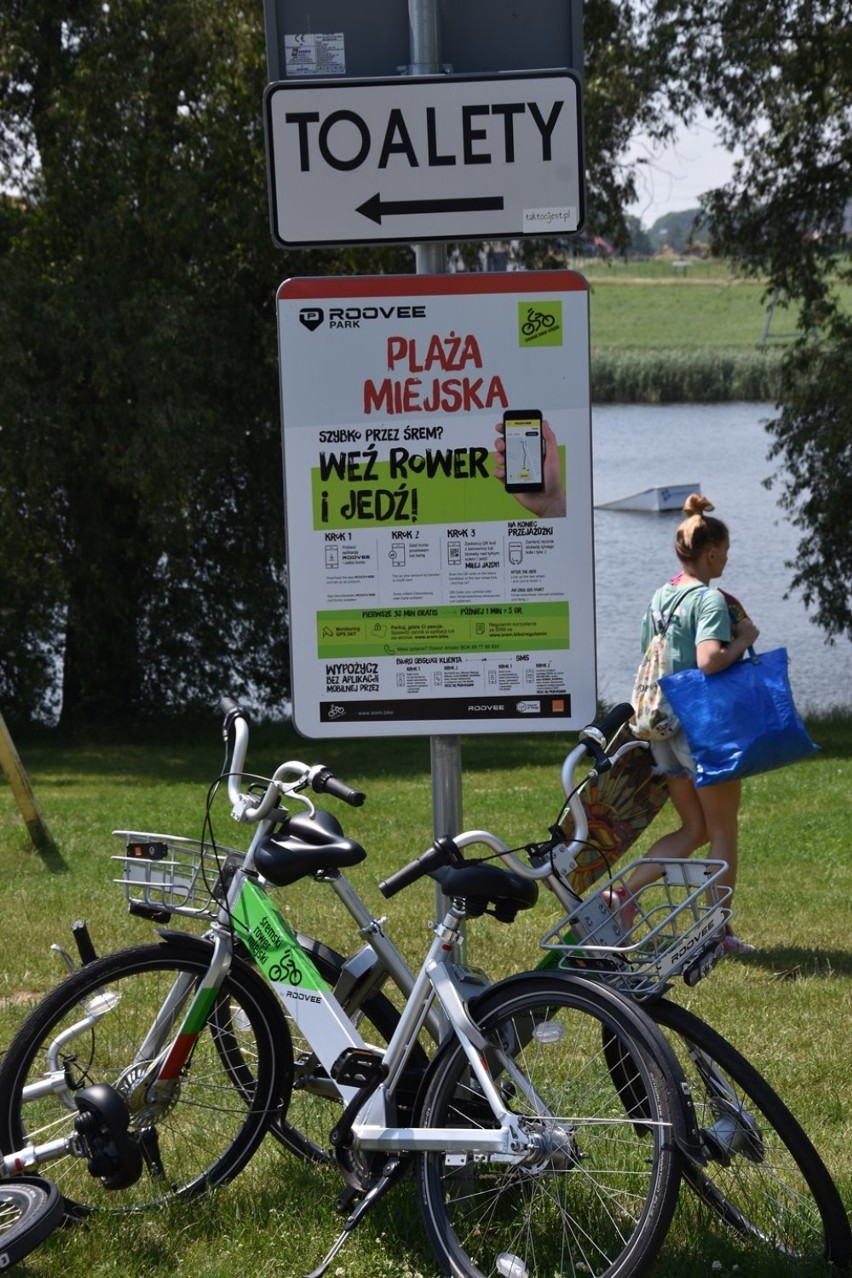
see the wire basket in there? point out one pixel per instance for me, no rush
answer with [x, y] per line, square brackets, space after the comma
[165, 874]
[679, 922]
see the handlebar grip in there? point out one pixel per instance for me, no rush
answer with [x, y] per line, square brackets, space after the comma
[442, 852]
[232, 710]
[594, 736]
[615, 719]
[323, 781]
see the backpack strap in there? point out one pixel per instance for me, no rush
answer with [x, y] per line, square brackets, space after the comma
[665, 622]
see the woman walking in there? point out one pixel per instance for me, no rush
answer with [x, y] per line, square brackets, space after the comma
[700, 634]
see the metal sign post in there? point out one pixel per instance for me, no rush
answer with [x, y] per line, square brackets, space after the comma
[445, 752]
[431, 259]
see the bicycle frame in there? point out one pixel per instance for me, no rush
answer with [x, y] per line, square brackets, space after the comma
[314, 1007]
[436, 997]
[330, 1032]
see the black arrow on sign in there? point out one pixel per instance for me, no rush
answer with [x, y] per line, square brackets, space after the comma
[376, 208]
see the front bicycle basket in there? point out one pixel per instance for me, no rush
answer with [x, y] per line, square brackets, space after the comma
[677, 917]
[165, 874]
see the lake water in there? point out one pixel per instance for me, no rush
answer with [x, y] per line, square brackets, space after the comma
[722, 448]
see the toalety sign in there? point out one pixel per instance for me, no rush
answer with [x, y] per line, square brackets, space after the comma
[424, 158]
[438, 501]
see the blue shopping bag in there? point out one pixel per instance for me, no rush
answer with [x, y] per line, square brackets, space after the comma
[741, 721]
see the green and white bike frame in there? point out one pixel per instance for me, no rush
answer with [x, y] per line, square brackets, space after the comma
[307, 998]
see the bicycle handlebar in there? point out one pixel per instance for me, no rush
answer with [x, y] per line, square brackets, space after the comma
[323, 781]
[593, 741]
[251, 810]
[444, 851]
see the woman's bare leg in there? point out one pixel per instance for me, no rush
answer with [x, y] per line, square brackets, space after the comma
[720, 805]
[680, 843]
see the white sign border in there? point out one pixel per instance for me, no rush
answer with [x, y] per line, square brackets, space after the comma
[523, 221]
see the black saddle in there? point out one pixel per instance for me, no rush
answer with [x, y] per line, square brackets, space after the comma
[480, 884]
[305, 845]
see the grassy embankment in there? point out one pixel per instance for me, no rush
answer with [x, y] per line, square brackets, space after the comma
[663, 334]
[787, 1008]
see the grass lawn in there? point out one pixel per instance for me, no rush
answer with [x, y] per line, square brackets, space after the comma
[652, 305]
[787, 1007]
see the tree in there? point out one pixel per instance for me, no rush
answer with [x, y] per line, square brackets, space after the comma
[639, 241]
[813, 440]
[777, 78]
[140, 528]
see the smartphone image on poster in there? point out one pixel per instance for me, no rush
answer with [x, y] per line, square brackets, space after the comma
[524, 457]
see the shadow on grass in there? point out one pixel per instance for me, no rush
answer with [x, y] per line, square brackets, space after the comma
[197, 753]
[699, 1245]
[831, 733]
[793, 963]
[53, 860]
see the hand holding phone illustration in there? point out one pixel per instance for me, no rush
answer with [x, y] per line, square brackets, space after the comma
[527, 462]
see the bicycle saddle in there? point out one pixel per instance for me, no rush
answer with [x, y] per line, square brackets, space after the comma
[481, 885]
[304, 845]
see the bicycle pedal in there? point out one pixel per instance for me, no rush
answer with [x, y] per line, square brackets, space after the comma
[358, 1067]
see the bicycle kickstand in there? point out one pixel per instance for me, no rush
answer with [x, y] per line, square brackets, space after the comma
[389, 1176]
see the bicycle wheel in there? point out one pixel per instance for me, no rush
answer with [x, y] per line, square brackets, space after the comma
[30, 1210]
[92, 1029]
[315, 1102]
[596, 1192]
[764, 1178]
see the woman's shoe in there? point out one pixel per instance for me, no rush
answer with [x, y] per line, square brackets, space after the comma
[733, 946]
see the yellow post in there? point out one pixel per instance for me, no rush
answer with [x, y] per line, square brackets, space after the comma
[14, 771]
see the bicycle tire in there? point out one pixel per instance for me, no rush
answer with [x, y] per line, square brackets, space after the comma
[314, 1102]
[599, 1195]
[765, 1180]
[205, 1132]
[30, 1210]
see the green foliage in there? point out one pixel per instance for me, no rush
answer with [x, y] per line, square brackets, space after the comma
[141, 523]
[813, 441]
[697, 376]
[777, 80]
[141, 534]
[678, 230]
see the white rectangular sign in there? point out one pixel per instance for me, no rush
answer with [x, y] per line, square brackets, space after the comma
[429, 592]
[424, 158]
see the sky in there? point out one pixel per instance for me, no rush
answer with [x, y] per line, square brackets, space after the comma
[673, 178]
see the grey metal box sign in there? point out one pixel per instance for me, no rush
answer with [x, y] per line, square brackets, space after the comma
[475, 36]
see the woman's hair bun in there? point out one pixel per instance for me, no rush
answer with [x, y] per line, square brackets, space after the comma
[698, 530]
[696, 504]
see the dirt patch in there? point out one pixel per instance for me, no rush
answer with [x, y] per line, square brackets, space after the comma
[15, 1000]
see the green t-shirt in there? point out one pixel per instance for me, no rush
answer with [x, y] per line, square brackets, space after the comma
[701, 614]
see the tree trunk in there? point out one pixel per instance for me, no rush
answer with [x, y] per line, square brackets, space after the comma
[107, 598]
